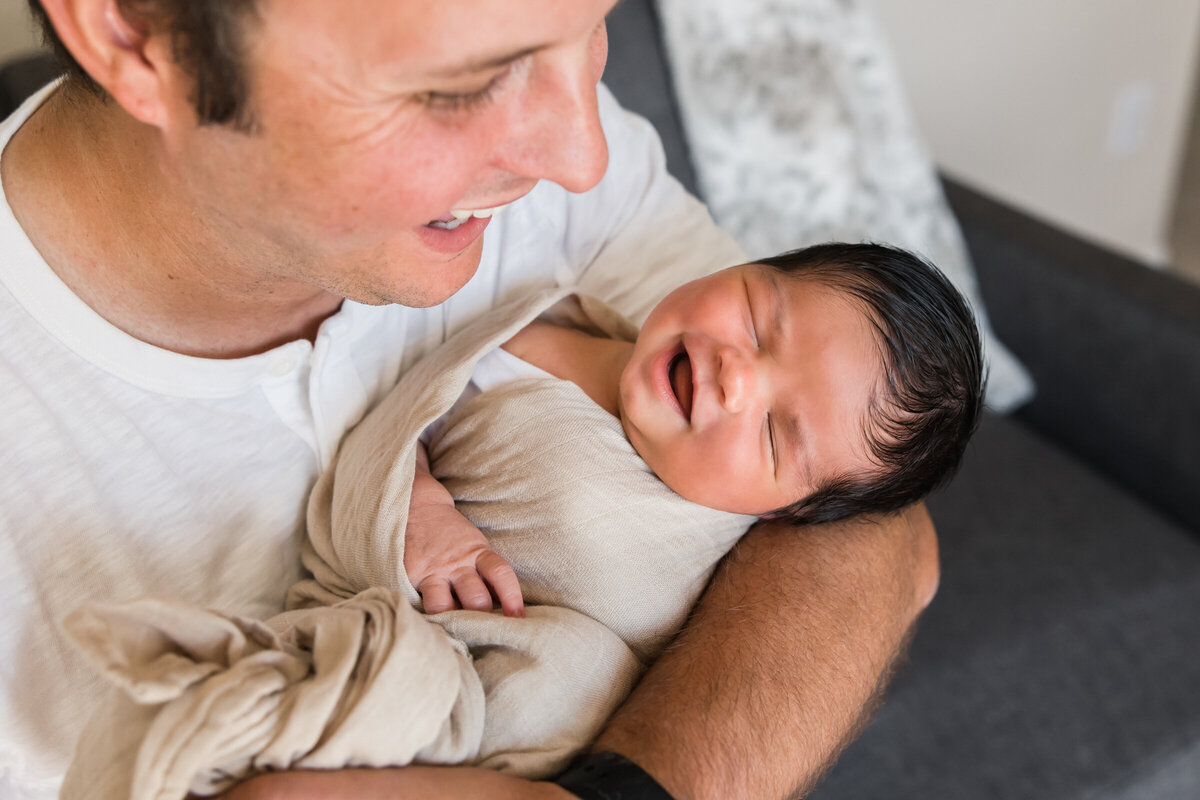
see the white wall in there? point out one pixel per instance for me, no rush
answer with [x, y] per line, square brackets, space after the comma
[1074, 110]
[16, 29]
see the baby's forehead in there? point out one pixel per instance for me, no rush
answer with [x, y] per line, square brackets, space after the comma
[793, 285]
[830, 317]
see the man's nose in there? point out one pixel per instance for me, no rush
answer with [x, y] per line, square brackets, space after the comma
[737, 379]
[556, 135]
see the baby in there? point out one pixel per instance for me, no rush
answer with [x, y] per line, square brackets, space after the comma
[612, 472]
[821, 383]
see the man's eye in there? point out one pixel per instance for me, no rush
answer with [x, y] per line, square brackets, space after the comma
[449, 101]
[465, 101]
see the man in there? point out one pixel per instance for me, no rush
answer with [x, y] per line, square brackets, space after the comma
[218, 257]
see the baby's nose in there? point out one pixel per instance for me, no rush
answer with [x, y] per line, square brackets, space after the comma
[735, 379]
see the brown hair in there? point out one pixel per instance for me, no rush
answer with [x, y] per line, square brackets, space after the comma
[207, 38]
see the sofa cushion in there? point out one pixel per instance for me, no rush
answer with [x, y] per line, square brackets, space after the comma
[1061, 658]
[1114, 348]
[637, 73]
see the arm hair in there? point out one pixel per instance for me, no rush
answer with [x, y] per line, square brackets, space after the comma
[784, 659]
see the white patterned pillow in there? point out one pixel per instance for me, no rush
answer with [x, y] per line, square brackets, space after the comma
[801, 134]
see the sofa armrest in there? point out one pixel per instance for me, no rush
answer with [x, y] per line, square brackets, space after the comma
[1114, 347]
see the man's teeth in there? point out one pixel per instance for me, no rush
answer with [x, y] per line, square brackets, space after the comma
[478, 212]
[459, 216]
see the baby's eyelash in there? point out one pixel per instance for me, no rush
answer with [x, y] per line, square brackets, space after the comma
[771, 441]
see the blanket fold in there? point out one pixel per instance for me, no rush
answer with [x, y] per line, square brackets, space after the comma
[610, 561]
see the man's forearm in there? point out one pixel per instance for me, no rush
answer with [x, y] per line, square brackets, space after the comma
[409, 783]
[785, 652]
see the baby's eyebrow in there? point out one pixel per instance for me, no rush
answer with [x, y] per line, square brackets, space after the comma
[777, 305]
[791, 429]
[792, 433]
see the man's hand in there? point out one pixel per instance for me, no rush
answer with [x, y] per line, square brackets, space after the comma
[447, 559]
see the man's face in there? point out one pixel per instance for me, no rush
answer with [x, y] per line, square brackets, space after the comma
[749, 387]
[377, 117]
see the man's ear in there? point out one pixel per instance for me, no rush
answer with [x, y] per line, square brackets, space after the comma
[124, 54]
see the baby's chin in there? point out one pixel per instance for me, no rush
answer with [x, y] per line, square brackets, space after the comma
[689, 493]
[654, 460]
[728, 507]
[633, 436]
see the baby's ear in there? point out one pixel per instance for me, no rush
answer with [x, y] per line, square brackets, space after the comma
[155, 649]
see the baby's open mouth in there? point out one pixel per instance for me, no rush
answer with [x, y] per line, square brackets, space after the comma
[679, 372]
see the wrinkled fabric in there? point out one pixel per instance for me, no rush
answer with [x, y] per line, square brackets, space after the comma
[610, 561]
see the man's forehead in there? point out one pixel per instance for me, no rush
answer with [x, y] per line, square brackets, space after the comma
[443, 39]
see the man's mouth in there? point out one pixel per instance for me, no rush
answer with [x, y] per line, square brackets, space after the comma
[679, 375]
[457, 217]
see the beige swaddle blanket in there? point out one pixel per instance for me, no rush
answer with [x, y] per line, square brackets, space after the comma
[610, 561]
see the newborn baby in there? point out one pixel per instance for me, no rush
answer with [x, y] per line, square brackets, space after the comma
[826, 382]
[608, 469]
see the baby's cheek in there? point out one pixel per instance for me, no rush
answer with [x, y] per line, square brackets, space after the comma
[709, 472]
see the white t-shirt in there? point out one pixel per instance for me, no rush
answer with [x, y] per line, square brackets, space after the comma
[128, 470]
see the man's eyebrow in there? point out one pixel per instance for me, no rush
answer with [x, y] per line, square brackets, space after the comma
[484, 64]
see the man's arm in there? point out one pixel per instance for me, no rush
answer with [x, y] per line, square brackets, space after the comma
[783, 660]
[777, 670]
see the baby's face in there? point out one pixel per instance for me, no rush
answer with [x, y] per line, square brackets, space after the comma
[748, 387]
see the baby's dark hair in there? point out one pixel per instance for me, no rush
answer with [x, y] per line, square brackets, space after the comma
[918, 427]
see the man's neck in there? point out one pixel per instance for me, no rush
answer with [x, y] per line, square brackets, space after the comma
[87, 186]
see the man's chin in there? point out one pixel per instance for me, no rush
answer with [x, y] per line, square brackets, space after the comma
[435, 282]
[410, 298]
[425, 300]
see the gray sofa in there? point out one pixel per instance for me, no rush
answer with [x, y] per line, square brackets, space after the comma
[1061, 658]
